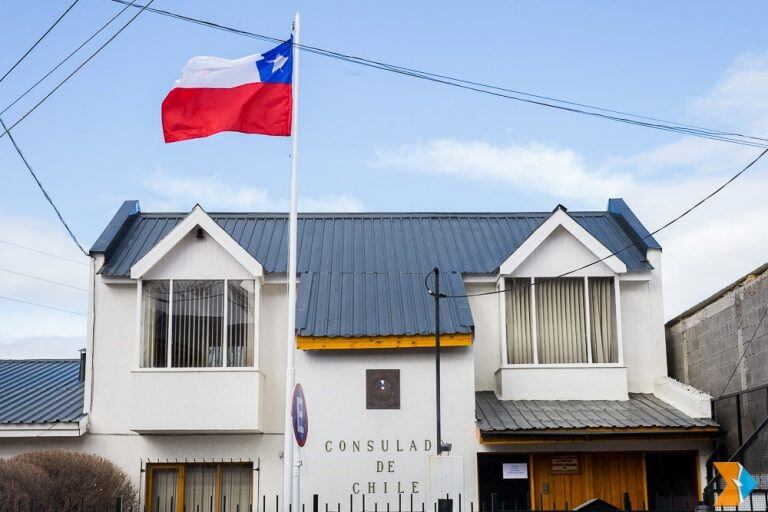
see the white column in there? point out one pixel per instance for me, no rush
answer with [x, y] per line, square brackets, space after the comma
[587, 319]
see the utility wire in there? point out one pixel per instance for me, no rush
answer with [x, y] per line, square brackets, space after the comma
[746, 346]
[42, 188]
[512, 94]
[39, 40]
[43, 279]
[42, 305]
[78, 68]
[633, 244]
[13, 244]
[63, 61]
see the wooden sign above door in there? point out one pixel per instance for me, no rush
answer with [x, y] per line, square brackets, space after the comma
[564, 465]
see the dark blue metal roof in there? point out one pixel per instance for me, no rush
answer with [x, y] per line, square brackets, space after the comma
[362, 274]
[375, 304]
[40, 391]
[468, 243]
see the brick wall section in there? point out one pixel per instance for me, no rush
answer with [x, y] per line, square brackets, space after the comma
[704, 345]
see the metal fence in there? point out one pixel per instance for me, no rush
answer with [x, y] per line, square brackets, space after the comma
[740, 414]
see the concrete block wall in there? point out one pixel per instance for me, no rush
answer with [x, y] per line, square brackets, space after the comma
[705, 344]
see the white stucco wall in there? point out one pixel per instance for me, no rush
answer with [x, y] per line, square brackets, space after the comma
[334, 383]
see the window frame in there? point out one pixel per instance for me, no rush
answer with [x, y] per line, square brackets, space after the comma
[502, 286]
[181, 476]
[257, 283]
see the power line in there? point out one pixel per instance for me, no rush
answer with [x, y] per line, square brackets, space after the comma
[54, 308]
[633, 244]
[744, 353]
[39, 40]
[42, 188]
[13, 244]
[43, 279]
[63, 61]
[78, 68]
[507, 93]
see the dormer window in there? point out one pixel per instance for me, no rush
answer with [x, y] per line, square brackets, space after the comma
[569, 320]
[212, 323]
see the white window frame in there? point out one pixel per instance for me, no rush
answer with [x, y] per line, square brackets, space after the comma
[257, 283]
[501, 286]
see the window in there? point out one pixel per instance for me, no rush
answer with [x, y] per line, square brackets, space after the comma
[203, 332]
[199, 487]
[561, 321]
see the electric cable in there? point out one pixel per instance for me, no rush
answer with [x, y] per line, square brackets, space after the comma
[13, 244]
[39, 40]
[531, 98]
[54, 308]
[633, 244]
[42, 188]
[78, 68]
[65, 59]
[43, 279]
[744, 353]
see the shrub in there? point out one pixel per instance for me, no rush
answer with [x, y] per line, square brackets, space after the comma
[63, 480]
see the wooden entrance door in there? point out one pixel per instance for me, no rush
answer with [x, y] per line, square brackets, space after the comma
[563, 481]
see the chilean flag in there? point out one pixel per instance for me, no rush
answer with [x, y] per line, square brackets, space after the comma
[248, 95]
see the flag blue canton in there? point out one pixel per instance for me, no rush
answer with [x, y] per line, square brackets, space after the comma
[276, 65]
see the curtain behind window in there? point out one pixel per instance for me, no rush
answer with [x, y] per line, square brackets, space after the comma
[519, 338]
[154, 324]
[235, 489]
[561, 321]
[240, 315]
[199, 488]
[602, 320]
[198, 324]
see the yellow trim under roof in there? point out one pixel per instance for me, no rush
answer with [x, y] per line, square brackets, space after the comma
[372, 342]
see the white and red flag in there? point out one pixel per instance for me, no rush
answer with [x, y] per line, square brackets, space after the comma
[248, 95]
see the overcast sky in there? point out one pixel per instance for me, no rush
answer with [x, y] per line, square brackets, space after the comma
[374, 141]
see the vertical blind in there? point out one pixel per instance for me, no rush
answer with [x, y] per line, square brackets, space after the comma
[198, 330]
[198, 316]
[154, 328]
[519, 338]
[206, 488]
[561, 321]
[240, 323]
[560, 311]
[602, 320]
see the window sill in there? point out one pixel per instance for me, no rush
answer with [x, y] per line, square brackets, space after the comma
[561, 366]
[247, 369]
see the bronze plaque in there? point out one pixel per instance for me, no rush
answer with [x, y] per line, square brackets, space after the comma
[564, 465]
[382, 389]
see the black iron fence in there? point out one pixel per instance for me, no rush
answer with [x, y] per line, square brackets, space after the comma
[740, 414]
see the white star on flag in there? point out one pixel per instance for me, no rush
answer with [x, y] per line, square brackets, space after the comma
[279, 62]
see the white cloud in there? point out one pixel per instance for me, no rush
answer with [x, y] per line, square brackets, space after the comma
[533, 166]
[712, 247]
[176, 193]
[24, 326]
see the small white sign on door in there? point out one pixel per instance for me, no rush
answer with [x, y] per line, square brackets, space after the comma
[514, 470]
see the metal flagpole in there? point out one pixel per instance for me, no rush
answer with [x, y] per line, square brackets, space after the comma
[291, 460]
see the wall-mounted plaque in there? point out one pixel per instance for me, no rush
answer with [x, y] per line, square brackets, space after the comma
[564, 465]
[514, 470]
[382, 389]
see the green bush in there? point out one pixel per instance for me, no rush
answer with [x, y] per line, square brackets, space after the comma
[63, 480]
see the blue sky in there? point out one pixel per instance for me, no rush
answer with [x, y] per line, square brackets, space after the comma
[375, 141]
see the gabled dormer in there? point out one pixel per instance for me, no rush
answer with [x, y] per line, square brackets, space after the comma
[561, 316]
[197, 343]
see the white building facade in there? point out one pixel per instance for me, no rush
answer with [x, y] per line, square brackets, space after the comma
[554, 387]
